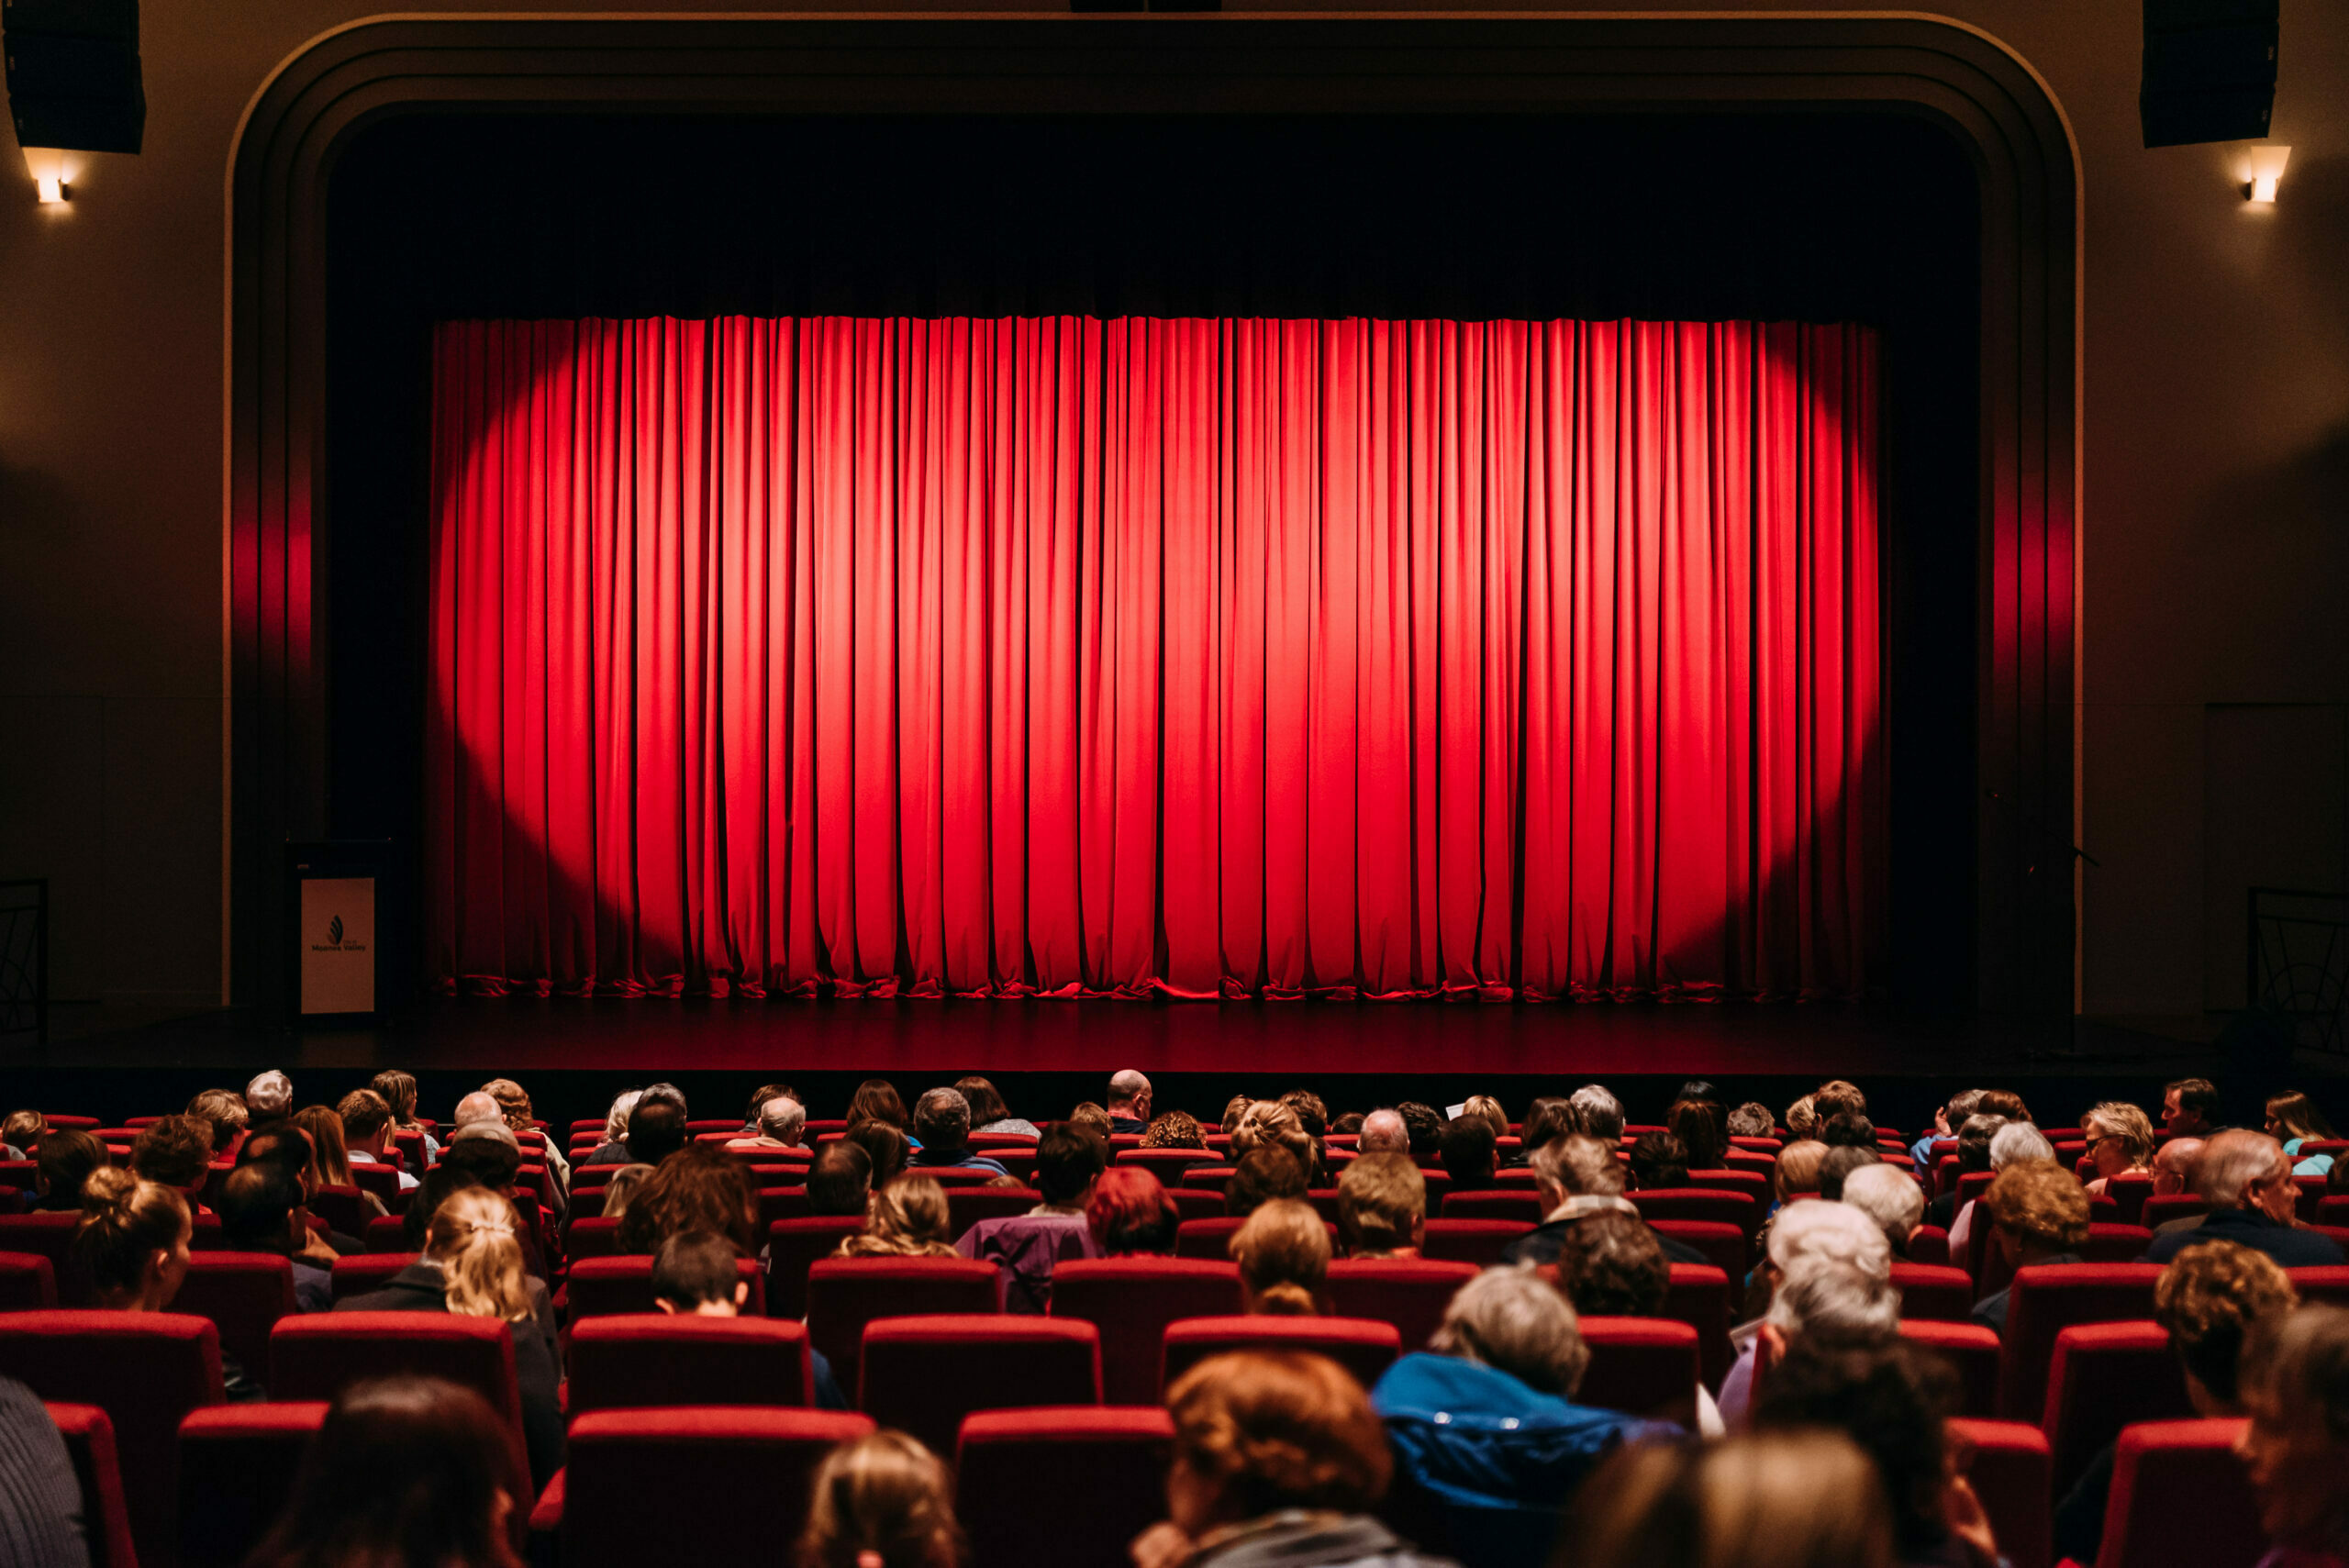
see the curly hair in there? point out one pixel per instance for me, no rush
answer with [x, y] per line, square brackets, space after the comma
[2209, 1299]
[2040, 1203]
[1610, 1265]
[1278, 1430]
[1173, 1129]
[175, 1151]
[698, 1188]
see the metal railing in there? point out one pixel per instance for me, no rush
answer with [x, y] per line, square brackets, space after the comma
[2298, 962]
[24, 958]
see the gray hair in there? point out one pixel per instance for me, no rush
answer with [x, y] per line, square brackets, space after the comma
[1383, 1133]
[616, 1119]
[1814, 1227]
[942, 1116]
[1578, 1165]
[1600, 1112]
[271, 1094]
[1516, 1321]
[1835, 1303]
[782, 1118]
[2231, 1162]
[2018, 1143]
[1889, 1196]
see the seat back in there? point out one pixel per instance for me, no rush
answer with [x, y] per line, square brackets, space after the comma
[633, 1361]
[236, 1467]
[1013, 1466]
[2180, 1495]
[97, 1466]
[1740, 1209]
[1130, 1301]
[2327, 1282]
[364, 1271]
[27, 1284]
[704, 1464]
[2129, 1191]
[244, 1293]
[1207, 1239]
[44, 1235]
[2106, 1376]
[601, 1287]
[1644, 1366]
[1410, 1293]
[1929, 1244]
[923, 1375]
[1972, 1352]
[592, 1237]
[2116, 1243]
[345, 1208]
[2049, 1298]
[1725, 1246]
[2160, 1208]
[1167, 1164]
[792, 1248]
[845, 1293]
[317, 1357]
[2008, 1469]
[1699, 1296]
[1944, 1295]
[386, 1233]
[966, 1207]
[1363, 1348]
[145, 1370]
[1492, 1203]
[1477, 1241]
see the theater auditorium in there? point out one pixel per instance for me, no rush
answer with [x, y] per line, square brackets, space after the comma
[1174, 784]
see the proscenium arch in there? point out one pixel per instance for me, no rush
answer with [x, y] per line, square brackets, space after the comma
[2026, 723]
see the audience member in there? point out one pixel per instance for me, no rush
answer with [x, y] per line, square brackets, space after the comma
[1383, 1133]
[1313, 1114]
[270, 1096]
[1702, 1131]
[988, 1113]
[839, 1179]
[514, 1107]
[1486, 1110]
[1130, 1214]
[1350, 1124]
[698, 1188]
[2190, 1108]
[881, 1501]
[62, 1163]
[1284, 1256]
[1382, 1206]
[41, 1506]
[759, 1097]
[1974, 1136]
[1261, 1176]
[1609, 1266]
[620, 1191]
[1752, 1120]
[175, 1151]
[2294, 1384]
[1891, 1198]
[2246, 1178]
[1093, 1121]
[612, 1150]
[426, 1201]
[1794, 1499]
[2119, 1139]
[1840, 1161]
[2017, 1143]
[656, 1129]
[876, 1100]
[1947, 1120]
[886, 1148]
[1468, 1154]
[129, 1253]
[1812, 1230]
[1234, 1108]
[1574, 1176]
[1025, 1247]
[225, 1109]
[697, 1273]
[329, 1162]
[1659, 1162]
[1796, 1175]
[1847, 1129]
[1129, 1101]
[941, 1136]
[1836, 1097]
[1549, 1116]
[908, 1218]
[1599, 1113]
[478, 1106]
[20, 1133]
[1423, 1125]
[781, 1124]
[367, 1132]
[1173, 1129]
[259, 1204]
[398, 1089]
[2173, 1173]
[2293, 1119]
[2040, 1215]
[1269, 1123]
[1802, 1117]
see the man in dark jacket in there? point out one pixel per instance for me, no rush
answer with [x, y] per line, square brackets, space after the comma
[942, 1123]
[1576, 1176]
[2246, 1178]
[1129, 1102]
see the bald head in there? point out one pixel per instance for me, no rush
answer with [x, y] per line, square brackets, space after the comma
[479, 1106]
[2174, 1164]
[1383, 1133]
[1129, 1094]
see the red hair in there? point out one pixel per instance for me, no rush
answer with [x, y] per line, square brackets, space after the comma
[1130, 1212]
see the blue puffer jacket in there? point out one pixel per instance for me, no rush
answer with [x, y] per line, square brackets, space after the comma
[1497, 1459]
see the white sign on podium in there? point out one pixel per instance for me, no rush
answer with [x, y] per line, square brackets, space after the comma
[338, 940]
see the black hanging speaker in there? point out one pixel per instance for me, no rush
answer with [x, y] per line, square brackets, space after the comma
[2209, 71]
[73, 73]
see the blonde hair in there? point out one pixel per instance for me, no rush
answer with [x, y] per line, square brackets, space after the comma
[2120, 1120]
[1283, 1257]
[883, 1494]
[472, 1238]
[1271, 1124]
[1802, 1116]
[1801, 1499]
[1378, 1197]
[329, 1158]
[906, 1218]
[1490, 1108]
[124, 1221]
[621, 1189]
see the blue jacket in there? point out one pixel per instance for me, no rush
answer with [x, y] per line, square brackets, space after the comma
[1499, 1459]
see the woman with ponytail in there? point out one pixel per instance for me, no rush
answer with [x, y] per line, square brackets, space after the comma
[1283, 1257]
[881, 1502]
[129, 1254]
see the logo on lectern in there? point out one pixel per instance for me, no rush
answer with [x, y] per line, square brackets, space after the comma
[334, 931]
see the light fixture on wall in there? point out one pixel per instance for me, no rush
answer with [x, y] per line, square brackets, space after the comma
[2263, 167]
[46, 166]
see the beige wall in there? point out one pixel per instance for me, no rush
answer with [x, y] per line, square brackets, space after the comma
[2216, 461]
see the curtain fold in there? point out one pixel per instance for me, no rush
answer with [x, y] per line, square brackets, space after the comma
[1194, 658]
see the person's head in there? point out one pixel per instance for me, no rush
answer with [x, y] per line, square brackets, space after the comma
[1173, 1129]
[877, 1100]
[2293, 1115]
[839, 1179]
[472, 1238]
[886, 1149]
[656, 1129]
[1514, 1322]
[1889, 1196]
[398, 1090]
[176, 1151]
[479, 1105]
[1601, 1113]
[329, 1158]
[1813, 1227]
[985, 1104]
[1269, 1124]
[1283, 1257]
[1422, 1125]
[513, 1103]
[2241, 1168]
[22, 1130]
[1093, 1121]
[2294, 1386]
[1954, 1110]
[1468, 1151]
[616, 1119]
[256, 1203]
[1892, 1400]
[909, 1215]
[2039, 1209]
[1974, 1137]
[881, 1501]
[1702, 1131]
[2190, 1108]
[1347, 1122]
[1260, 1432]
[1797, 1173]
[1383, 1133]
[2120, 1137]
[224, 1109]
[698, 1188]
[783, 1118]
[1828, 1301]
[1752, 1120]
[1836, 1167]
[1578, 1166]
[1130, 1094]
[1847, 1129]
[1488, 1109]
[1313, 1113]
[1261, 1176]
[1129, 1212]
[487, 1151]
[2019, 1143]
[2174, 1164]
[1786, 1499]
[1836, 1096]
[63, 1161]
[1610, 1265]
[366, 1119]
[1234, 1108]
[269, 1096]
[404, 1470]
[1382, 1204]
[1067, 1164]
[669, 1091]
[1549, 1116]
[1659, 1160]
[2004, 1104]
[2210, 1299]
[131, 1248]
[694, 1275]
[941, 1122]
[1802, 1117]
[620, 1191]
[431, 1192]
[761, 1096]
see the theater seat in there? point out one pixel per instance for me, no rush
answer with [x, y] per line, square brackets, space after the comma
[1363, 1348]
[591, 1238]
[237, 1465]
[2326, 1282]
[966, 1207]
[1725, 1246]
[145, 1370]
[1195, 1203]
[845, 1293]
[1015, 1469]
[364, 1271]
[2116, 1243]
[27, 1283]
[345, 1208]
[1492, 1203]
[387, 1233]
[792, 1248]
[1944, 1295]
[1166, 1165]
[1410, 1293]
[600, 1287]
[1130, 1301]
[244, 1293]
[2009, 1472]
[2129, 1191]
[1929, 1244]
[2180, 1495]
[2106, 1376]
[40, 1234]
[2049, 1298]
[1697, 1203]
[1214, 1177]
[1212, 1239]
[632, 1361]
[1644, 1366]
[319, 1356]
[1972, 1352]
[706, 1466]
[2162, 1207]
[1477, 1241]
[97, 1466]
[922, 1375]
[1699, 1296]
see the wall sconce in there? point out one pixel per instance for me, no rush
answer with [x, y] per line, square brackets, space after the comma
[46, 166]
[2263, 169]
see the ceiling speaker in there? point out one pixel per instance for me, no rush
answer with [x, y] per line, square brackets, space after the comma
[2210, 71]
[74, 79]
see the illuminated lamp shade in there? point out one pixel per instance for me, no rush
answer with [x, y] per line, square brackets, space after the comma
[2265, 168]
[46, 166]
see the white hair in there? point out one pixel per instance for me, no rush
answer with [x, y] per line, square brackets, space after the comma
[1889, 1196]
[616, 1119]
[1383, 1133]
[1815, 1227]
[782, 1118]
[2019, 1143]
[271, 1094]
[1836, 1302]
[2231, 1162]
[1515, 1320]
[1601, 1113]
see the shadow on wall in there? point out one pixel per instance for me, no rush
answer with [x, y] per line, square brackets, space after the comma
[2271, 553]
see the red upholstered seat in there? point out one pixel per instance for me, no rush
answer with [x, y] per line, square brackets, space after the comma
[2311, 1193]
[1699, 1296]
[381, 1183]
[2162, 1207]
[1212, 1239]
[1477, 1241]
[2180, 1495]
[596, 1238]
[774, 1203]
[74, 1123]
[792, 1248]
[706, 1465]
[318, 1356]
[2128, 1191]
[1972, 1352]
[345, 1208]
[966, 1207]
[1647, 1366]
[27, 1283]
[97, 1466]
[1019, 1161]
[1753, 1184]
[1725, 1246]
[1946, 1294]
[2327, 1282]
[1363, 1348]
[845, 1293]
[922, 1375]
[600, 1287]
[632, 1360]
[1216, 1176]
[1492, 1203]
[244, 1293]
[1410, 1293]
[386, 1233]
[2010, 1470]
[1131, 1301]
[237, 1465]
[364, 1271]
[145, 1370]
[1699, 1203]
[2106, 1376]
[19, 1173]
[1929, 1244]
[1015, 1467]
[1167, 1164]
[2049, 1298]
[2116, 1243]
[40, 1234]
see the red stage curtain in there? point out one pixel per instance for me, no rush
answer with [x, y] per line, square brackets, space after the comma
[1194, 657]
